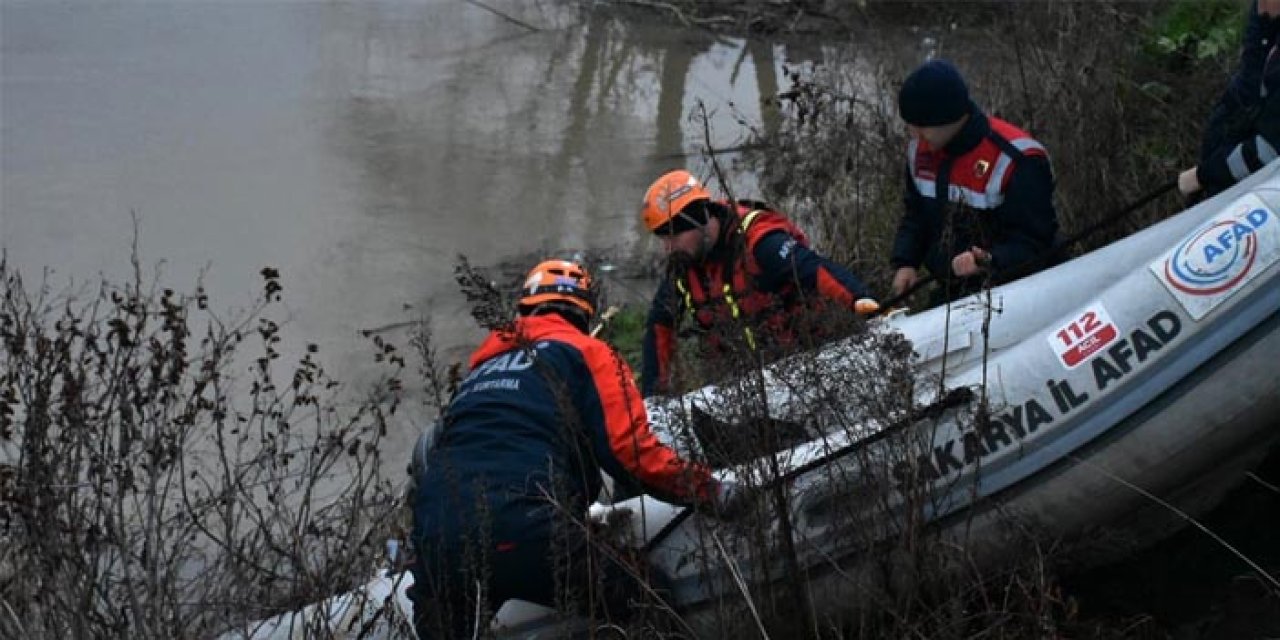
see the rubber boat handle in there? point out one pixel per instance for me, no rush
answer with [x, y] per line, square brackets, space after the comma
[1032, 263]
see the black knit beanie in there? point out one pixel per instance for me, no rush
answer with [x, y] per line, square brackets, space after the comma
[933, 95]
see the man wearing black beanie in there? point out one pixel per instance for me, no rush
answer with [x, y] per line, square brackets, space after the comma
[996, 221]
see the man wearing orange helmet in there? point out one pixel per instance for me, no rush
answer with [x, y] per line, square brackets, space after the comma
[501, 492]
[732, 264]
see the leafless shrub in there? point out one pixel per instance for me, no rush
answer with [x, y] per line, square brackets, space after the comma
[848, 548]
[159, 489]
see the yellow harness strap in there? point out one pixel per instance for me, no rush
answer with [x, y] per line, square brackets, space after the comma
[727, 289]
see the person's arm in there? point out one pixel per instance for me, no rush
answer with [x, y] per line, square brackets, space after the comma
[1028, 224]
[1231, 164]
[783, 259]
[1243, 153]
[659, 342]
[1255, 43]
[624, 443]
[1230, 122]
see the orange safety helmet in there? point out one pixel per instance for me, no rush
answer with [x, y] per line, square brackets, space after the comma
[669, 195]
[558, 281]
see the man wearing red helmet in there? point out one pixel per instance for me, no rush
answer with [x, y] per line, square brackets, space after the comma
[500, 494]
[735, 265]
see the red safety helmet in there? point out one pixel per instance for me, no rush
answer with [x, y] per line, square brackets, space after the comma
[669, 195]
[558, 281]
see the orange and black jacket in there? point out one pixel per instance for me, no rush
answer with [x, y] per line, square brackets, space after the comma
[996, 189]
[1243, 132]
[544, 409]
[760, 272]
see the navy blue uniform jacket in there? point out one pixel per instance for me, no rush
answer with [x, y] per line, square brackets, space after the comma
[544, 409]
[1243, 132]
[1018, 228]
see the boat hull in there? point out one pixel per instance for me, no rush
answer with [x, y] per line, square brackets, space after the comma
[1122, 392]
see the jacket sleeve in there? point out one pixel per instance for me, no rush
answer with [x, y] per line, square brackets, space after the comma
[1232, 147]
[912, 239]
[625, 445]
[659, 341]
[1230, 164]
[782, 258]
[1027, 222]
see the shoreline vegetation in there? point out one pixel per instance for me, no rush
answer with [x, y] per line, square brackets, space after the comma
[171, 472]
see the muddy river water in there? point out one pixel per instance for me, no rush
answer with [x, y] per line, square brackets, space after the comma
[356, 147]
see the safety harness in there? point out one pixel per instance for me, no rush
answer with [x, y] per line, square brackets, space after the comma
[726, 290]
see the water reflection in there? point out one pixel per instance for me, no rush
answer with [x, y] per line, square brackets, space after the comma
[358, 147]
[534, 143]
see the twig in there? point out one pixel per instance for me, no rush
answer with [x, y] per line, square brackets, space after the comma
[1185, 516]
[679, 155]
[715, 165]
[878, 600]
[605, 318]
[389, 327]
[1252, 476]
[502, 15]
[22, 631]
[612, 553]
[740, 583]
[475, 619]
[680, 15]
[1022, 74]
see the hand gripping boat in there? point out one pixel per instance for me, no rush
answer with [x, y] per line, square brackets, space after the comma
[1116, 391]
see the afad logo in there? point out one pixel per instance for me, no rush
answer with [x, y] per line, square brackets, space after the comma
[1218, 257]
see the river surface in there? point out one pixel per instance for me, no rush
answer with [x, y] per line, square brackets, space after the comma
[356, 147]
[359, 147]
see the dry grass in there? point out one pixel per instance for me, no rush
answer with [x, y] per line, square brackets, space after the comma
[170, 477]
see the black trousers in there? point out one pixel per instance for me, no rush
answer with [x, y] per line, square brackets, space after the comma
[457, 588]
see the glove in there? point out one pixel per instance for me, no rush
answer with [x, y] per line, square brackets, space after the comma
[865, 306]
[733, 499]
[611, 521]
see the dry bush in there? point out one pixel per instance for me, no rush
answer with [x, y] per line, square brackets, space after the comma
[866, 558]
[170, 478]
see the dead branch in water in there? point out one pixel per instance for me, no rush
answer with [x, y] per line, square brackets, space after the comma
[502, 15]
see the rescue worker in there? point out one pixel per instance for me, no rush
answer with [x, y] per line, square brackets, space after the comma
[737, 270]
[502, 490]
[979, 192]
[1243, 132]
